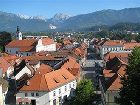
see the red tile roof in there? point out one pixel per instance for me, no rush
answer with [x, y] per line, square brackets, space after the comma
[4, 64]
[49, 81]
[113, 43]
[22, 43]
[38, 58]
[72, 66]
[27, 49]
[111, 55]
[131, 45]
[114, 75]
[43, 69]
[67, 41]
[115, 85]
[47, 41]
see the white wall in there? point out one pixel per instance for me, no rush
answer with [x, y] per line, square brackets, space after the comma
[41, 47]
[46, 98]
[69, 92]
[23, 71]
[42, 99]
[15, 50]
[11, 50]
[105, 49]
[1, 97]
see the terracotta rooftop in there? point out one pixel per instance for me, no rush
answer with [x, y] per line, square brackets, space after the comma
[22, 43]
[113, 43]
[111, 55]
[4, 64]
[38, 58]
[79, 51]
[72, 66]
[131, 45]
[49, 81]
[67, 41]
[27, 49]
[47, 41]
[43, 69]
[114, 75]
[116, 84]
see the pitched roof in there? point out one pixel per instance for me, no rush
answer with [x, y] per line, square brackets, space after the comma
[72, 66]
[22, 43]
[131, 45]
[49, 81]
[47, 41]
[111, 55]
[114, 76]
[79, 51]
[71, 63]
[113, 43]
[27, 49]
[43, 69]
[67, 41]
[38, 58]
[116, 84]
[4, 64]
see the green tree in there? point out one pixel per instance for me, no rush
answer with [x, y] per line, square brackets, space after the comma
[84, 93]
[130, 92]
[5, 38]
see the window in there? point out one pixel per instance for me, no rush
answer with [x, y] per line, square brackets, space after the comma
[20, 103]
[73, 84]
[26, 94]
[59, 91]
[107, 48]
[54, 102]
[37, 94]
[32, 94]
[54, 93]
[27, 103]
[60, 99]
[65, 88]
[16, 52]
[27, 54]
[69, 86]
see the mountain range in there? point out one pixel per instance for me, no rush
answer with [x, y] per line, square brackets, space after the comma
[63, 22]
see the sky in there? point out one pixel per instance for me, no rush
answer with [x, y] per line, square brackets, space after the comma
[48, 8]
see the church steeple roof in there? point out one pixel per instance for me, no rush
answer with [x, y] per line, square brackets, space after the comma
[17, 28]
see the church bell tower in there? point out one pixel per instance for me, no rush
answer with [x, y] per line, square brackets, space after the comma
[18, 34]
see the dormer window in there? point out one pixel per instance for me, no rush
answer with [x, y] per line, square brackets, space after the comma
[65, 77]
[56, 80]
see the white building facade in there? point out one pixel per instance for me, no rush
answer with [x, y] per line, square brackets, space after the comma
[1, 95]
[54, 97]
[45, 47]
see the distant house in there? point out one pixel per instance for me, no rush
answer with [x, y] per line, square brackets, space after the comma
[52, 88]
[46, 44]
[110, 81]
[3, 89]
[130, 46]
[28, 47]
[21, 47]
[110, 46]
[104, 46]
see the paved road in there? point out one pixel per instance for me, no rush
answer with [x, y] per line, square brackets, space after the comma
[90, 66]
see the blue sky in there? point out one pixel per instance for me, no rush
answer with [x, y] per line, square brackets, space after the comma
[48, 8]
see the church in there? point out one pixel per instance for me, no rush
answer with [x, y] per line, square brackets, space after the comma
[27, 47]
